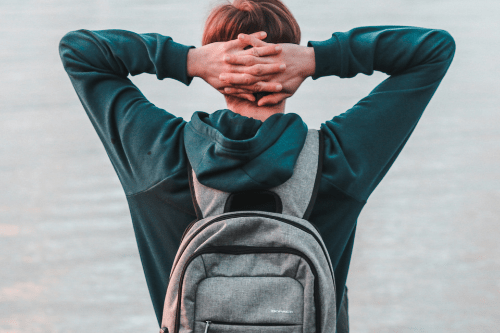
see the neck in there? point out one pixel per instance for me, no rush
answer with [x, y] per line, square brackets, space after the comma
[252, 110]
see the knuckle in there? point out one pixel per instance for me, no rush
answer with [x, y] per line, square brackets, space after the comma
[258, 70]
[249, 61]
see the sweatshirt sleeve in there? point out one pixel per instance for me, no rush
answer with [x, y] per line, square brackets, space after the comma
[362, 143]
[142, 141]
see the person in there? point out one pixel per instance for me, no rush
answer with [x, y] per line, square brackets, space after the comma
[253, 144]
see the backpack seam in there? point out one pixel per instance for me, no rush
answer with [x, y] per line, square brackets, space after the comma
[297, 270]
[304, 306]
[204, 266]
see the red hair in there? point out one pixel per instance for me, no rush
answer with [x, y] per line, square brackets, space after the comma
[227, 21]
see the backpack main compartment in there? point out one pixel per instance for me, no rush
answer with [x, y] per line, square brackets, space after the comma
[252, 270]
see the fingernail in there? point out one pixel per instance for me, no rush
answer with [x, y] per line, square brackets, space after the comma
[222, 77]
[282, 66]
[262, 34]
[278, 48]
[241, 36]
[278, 87]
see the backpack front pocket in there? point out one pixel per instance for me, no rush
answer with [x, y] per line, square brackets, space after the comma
[247, 289]
[250, 301]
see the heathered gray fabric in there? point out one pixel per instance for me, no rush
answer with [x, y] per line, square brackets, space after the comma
[295, 193]
[267, 264]
[217, 328]
[231, 282]
[306, 277]
[259, 232]
[261, 264]
[210, 200]
[247, 300]
[275, 288]
[194, 275]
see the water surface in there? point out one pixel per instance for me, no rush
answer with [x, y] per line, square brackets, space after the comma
[426, 257]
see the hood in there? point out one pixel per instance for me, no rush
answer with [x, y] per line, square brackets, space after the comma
[232, 153]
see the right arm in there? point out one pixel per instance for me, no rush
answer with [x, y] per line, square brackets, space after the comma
[142, 141]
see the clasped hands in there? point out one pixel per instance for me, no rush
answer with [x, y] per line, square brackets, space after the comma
[247, 65]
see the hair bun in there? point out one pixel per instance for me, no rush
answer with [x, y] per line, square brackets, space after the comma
[247, 5]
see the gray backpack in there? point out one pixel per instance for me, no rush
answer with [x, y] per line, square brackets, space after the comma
[251, 262]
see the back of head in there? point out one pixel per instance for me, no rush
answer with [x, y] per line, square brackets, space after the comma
[227, 21]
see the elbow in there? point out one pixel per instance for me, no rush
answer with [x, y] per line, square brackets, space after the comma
[69, 41]
[66, 44]
[446, 44]
[65, 48]
[66, 41]
[72, 46]
[73, 40]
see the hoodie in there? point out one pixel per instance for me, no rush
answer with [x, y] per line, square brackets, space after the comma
[149, 147]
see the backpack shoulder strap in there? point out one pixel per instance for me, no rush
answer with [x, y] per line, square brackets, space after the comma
[297, 194]
[207, 201]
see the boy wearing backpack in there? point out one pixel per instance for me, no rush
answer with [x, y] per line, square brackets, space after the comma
[253, 146]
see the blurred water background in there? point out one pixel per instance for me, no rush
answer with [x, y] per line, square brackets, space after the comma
[427, 250]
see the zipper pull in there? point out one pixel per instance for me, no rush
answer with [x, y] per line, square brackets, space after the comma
[208, 324]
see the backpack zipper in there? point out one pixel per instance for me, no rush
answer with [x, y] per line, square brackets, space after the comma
[242, 249]
[196, 220]
[245, 324]
[236, 215]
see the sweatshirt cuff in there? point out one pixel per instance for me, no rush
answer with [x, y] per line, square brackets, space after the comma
[176, 64]
[328, 57]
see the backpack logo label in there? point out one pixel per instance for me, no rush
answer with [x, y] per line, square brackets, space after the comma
[281, 311]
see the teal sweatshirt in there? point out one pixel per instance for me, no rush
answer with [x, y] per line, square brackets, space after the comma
[149, 147]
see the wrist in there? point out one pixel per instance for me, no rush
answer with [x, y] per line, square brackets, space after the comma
[310, 61]
[193, 62]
